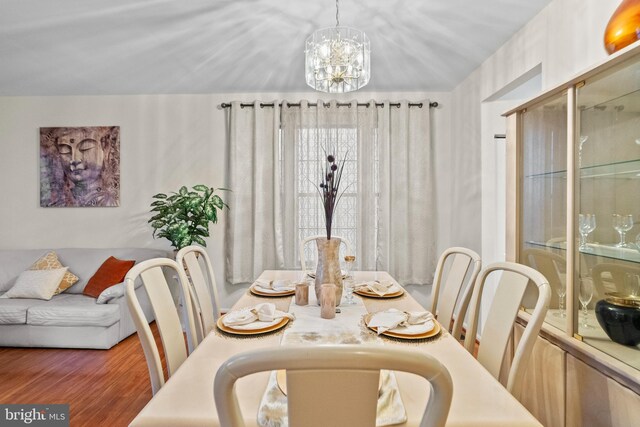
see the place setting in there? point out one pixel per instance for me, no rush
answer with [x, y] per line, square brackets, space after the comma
[273, 288]
[405, 325]
[378, 289]
[259, 319]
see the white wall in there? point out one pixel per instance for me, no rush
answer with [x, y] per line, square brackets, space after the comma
[166, 141]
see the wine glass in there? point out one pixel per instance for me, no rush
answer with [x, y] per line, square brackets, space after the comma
[348, 281]
[586, 224]
[632, 284]
[561, 291]
[622, 224]
[585, 295]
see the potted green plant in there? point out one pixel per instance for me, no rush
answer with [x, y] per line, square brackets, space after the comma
[183, 217]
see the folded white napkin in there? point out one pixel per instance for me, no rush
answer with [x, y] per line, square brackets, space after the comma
[379, 288]
[393, 318]
[275, 285]
[264, 312]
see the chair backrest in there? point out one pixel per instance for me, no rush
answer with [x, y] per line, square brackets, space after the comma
[500, 320]
[552, 266]
[461, 260]
[204, 293]
[166, 315]
[303, 261]
[332, 385]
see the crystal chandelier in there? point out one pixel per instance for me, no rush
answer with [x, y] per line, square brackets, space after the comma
[337, 60]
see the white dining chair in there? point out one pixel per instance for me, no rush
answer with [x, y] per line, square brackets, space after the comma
[456, 279]
[166, 316]
[502, 313]
[332, 385]
[303, 243]
[202, 285]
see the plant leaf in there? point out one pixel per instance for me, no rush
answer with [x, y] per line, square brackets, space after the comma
[160, 196]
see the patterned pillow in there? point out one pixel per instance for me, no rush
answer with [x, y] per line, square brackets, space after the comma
[50, 261]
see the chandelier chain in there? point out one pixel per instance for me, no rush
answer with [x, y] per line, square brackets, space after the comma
[337, 13]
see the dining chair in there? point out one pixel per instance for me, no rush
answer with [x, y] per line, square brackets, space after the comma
[501, 317]
[451, 284]
[303, 243]
[203, 290]
[332, 385]
[166, 315]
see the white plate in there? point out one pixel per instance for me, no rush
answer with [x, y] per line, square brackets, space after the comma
[420, 328]
[272, 291]
[257, 324]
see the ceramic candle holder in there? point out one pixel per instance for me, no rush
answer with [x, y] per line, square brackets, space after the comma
[328, 301]
[302, 294]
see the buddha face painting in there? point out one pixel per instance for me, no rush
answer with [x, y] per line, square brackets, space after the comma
[80, 166]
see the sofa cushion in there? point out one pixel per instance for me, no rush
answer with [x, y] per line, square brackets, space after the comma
[41, 284]
[14, 262]
[85, 262]
[14, 311]
[73, 310]
[50, 261]
[110, 273]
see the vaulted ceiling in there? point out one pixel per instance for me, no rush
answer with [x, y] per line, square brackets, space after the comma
[95, 47]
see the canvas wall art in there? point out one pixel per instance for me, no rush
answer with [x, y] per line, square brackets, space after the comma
[80, 166]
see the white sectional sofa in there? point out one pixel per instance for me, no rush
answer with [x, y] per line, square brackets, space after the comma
[70, 319]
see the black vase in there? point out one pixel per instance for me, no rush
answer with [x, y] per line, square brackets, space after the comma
[621, 323]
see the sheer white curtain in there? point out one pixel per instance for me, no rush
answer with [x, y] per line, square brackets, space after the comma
[309, 134]
[407, 240]
[252, 239]
[276, 160]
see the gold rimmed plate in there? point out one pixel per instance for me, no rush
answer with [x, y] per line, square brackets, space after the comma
[256, 291]
[257, 331]
[419, 336]
[371, 294]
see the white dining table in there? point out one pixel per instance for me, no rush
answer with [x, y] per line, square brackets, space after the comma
[187, 397]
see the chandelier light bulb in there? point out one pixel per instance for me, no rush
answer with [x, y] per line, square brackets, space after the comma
[337, 59]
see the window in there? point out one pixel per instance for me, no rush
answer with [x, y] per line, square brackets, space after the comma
[310, 160]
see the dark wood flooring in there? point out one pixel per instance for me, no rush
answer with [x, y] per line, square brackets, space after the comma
[102, 387]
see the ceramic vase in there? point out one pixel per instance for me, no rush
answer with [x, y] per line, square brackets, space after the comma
[328, 267]
[623, 27]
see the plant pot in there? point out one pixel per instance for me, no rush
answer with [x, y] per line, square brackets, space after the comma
[619, 316]
[328, 267]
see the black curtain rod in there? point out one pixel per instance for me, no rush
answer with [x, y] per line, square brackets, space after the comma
[380, 104]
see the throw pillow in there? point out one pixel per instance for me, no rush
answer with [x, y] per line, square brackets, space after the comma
[39, 284]
[50, 261]
[110, 273]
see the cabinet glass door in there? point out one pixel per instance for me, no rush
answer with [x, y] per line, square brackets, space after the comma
[607, 284]
[543, 209]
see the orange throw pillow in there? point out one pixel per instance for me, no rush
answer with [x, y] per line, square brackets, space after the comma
[110, 273]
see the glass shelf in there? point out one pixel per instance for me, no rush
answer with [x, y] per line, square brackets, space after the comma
[620, 170]
[597, 249]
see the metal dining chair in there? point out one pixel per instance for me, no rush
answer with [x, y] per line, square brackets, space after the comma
[451, 284]
[202, 285]
[303, 243]
[166, 315]
[332, 385]
[501, 317]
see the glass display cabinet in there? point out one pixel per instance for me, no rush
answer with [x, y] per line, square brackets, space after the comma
[575, 214]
